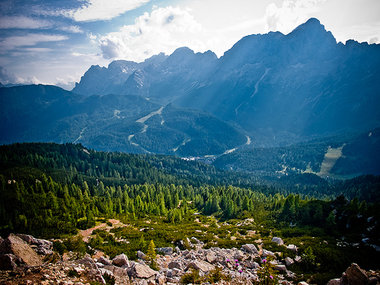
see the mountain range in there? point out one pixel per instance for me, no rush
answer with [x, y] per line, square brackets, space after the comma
[267, 91]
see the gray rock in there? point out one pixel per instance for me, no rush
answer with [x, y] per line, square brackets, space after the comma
[104, 271]
[278, 240]
[118, 272]
[140, 254]
[121, 260]
[298, 259]
[165, 250]
[280, 267]
[174, 264]
[195, 240]
[141, 271]
[43, 246]
[211, 257]
[288, 261]
[88, 263]
[267, 252]
[335, 281]
[292, 247]
[303, 283]
[250, 248]
[104, 260]
[201, 265]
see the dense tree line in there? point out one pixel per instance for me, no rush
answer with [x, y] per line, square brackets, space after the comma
[50, 189]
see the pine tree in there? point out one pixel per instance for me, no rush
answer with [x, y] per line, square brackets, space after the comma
[151, 255]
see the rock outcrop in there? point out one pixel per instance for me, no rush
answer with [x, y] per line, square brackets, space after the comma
[17, 247]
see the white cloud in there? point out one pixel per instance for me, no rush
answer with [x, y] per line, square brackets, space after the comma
[7, 77]
[163, 30]
[28, 40]
[22, 22]
[290, 14]
[71, 29]
[95, 10]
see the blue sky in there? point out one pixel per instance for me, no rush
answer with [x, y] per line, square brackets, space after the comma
[55, 42]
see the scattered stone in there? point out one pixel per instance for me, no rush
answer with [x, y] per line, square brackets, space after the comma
[250, 248]
[335, 281]
[289, 261]
[292, 247]
[278, 240]
[104, 260]
[201, 265]
[174, 264]
[211, 257]
[88, 263]
[165, 250]
[140, 254]
[303, 283]
[280, 267]
[141, 271]
[121, 260]
[268, 252]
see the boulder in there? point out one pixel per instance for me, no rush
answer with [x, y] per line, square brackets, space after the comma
[174, 264]
[303, 283]
[267, 253]
[335, 281]
[118, 273]
[354, 275]
[141, 271]
[104, 271]
[165, 250]
[278, 240]
[88, 263]
[211, 257]
[18, 247]
[288, 261]
[140, 255]
[195, 240]
[280, 267]
[250, 248]
[104, 260]
[292, 247]
[201, 265]
[8, 262]
[43, 246]
[121, 260]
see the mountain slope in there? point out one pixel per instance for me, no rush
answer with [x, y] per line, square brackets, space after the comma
[342, 156]
[128, 123]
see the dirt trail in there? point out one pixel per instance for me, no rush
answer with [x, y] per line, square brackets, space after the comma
[88, 232]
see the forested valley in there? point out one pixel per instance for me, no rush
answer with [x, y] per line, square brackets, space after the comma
[52, 190]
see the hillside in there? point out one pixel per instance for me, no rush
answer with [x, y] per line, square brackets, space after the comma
[127, 123]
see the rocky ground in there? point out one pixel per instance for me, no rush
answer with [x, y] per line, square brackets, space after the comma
[27, 260]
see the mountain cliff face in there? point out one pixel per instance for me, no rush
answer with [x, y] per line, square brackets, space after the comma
[285, 86]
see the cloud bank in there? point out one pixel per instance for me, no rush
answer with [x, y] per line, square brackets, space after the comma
[162, 30]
